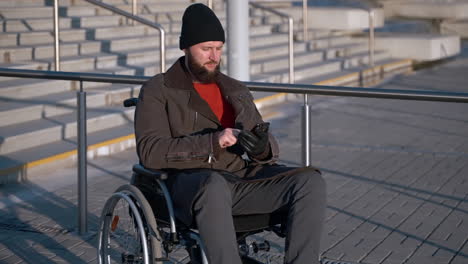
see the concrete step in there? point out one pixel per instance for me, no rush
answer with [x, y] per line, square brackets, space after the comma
[268, 39]
[24, 164]
[424, 47]
[26, 12]
[134, 43]
[97, 21]
[20, 3]
[99, 60]
[41, 37]
[124, 31]
[32, 65]
[33, 24]
[156, 7]
[307, 68]
[43, 131]
[280, 62]
[362, 58]
[266, 51]
[111, 2]
[14, 54]
[29, 88]
[301, 72]
[87, 9]
[358, 75]
[28, 109]
[330, 41]
[343, 50]
[458, 27]
[8, 39]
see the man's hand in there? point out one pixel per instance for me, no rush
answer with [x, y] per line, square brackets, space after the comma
[228, 137]
[254, 142]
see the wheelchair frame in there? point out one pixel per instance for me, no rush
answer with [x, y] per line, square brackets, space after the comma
[149, 227]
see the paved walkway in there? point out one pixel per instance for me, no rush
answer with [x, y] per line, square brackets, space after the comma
[397, 175]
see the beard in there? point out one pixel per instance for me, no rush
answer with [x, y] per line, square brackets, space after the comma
[202, 74]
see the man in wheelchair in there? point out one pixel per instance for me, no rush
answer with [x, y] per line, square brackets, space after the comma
[205, 130]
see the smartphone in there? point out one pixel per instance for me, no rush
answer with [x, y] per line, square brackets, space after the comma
[261, 127]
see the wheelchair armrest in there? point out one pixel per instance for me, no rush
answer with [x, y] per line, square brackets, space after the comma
[157, 174]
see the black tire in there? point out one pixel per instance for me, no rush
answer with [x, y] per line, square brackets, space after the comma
[120, 240]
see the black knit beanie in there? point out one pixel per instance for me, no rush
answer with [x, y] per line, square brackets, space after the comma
[200, 24]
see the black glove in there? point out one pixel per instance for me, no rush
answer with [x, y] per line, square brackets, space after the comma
[254, 142]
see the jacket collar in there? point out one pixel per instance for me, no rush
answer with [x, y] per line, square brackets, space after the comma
[178, 77]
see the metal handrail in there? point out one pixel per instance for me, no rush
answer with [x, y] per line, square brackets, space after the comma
[311, 89]
[290, 35]
[162, 32]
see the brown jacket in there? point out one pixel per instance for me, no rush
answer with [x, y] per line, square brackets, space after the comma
[175, 127]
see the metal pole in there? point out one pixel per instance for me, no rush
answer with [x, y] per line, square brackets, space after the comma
[56, 37]
[306, 147]
[238, 39]
[162, 54]
[82, 163]
[371, 37]
[134, 10]
[210, 4]
[305, 20]
[291, 50]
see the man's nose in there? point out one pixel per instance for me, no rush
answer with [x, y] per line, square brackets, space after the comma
[214, 55]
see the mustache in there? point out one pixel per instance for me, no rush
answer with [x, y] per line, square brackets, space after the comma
[212, 62]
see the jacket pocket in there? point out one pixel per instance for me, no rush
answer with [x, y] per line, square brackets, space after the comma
[186, 156]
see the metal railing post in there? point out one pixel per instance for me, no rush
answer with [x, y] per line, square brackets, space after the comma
[371, 37]
[82, 163]
[291, 50]
[134, 10]
[306, 127]
[305, 26]
[56, 37]
[162, 53]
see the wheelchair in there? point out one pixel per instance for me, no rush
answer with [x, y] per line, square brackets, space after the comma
[138, 225]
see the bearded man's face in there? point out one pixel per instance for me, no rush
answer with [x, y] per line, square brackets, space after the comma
[204, 60]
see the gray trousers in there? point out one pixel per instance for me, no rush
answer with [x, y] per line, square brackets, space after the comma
[216, 200]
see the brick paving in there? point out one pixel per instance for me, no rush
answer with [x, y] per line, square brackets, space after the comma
[396, 172]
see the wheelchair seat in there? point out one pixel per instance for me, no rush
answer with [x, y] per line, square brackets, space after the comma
[146, 181]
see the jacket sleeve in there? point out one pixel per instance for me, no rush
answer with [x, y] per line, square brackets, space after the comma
[271, 154]
[155, 145]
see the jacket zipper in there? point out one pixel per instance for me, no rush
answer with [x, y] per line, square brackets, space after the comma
[195, 121]
[211, 157]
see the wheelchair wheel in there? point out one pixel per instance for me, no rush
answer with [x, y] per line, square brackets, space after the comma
[128, 233]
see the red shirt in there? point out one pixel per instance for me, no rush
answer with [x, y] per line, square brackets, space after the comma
[221, 108]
